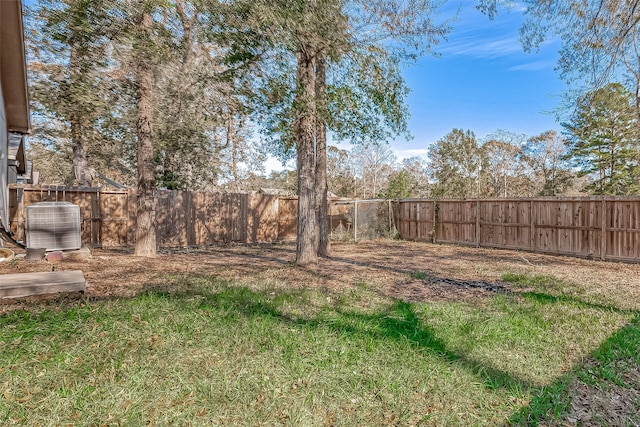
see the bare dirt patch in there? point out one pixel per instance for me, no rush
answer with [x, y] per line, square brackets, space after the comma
[406, 270]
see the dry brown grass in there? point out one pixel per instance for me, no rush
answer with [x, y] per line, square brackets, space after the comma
[388, 266]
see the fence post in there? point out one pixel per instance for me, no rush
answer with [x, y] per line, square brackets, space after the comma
[603, 229]
[390, 226]
[355, 221]
[418, 220]
[276, 211]
[435, 222]
[477, 223]
[22, 215]
[96, 219]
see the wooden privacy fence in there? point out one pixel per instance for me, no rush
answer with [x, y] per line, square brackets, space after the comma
[606, 228]
[184, 218]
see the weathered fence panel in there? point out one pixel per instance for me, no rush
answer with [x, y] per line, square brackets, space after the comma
[416, 219]
[183, 218]
[457, 222]
[287, 218]
[622, 229]
[504, 224]
[605, 228]
[569, 227]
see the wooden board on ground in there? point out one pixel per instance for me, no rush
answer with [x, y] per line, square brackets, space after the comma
[51, 282]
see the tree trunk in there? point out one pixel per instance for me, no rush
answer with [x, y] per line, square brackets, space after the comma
[232, 139]
[324, 244]
[307, 231]
[146, 218]
[80, 160]
[81, 170]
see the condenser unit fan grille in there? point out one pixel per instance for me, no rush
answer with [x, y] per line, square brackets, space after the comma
[54, 226]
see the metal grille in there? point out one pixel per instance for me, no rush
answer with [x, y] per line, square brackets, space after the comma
[54, 226]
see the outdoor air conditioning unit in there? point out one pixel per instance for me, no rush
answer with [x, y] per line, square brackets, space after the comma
[54, 226]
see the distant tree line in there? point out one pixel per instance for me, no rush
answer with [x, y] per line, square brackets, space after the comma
[597, 153]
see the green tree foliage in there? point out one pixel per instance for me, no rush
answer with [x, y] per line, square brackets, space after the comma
[401, 185]
[202, 134]
[341, 175]
[410, 180]
[603, 141]
[455, 162]
[72, 88]
[361, 43]
[83, 57]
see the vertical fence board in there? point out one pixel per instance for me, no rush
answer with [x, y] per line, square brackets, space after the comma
[287, 218]
[114, 218]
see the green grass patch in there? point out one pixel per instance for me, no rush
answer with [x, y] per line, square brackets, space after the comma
[418, 275]
[544, 281]
[200, 351]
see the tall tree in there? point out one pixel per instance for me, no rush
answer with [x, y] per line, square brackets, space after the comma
[545, 155]
[411, 179]
[341, 177]
[143, 60]
[401, 185]
[201, 132]
[374, 164]
[504, 174]
[324, 243]
[68, 43]
[307, 236]
[372, 35]
[600, 38]
[455, 164]
[603, 140]
[302, 32]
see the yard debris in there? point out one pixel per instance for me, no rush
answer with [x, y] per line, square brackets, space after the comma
[609, 405]
[474, 284]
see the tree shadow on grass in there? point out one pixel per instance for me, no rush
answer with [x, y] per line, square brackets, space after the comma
[543, 298]
[603, 366]
[399, 322]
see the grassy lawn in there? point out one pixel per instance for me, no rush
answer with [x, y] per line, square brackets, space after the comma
[194, 349]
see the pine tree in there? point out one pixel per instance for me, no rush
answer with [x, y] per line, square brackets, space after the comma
[603, 141]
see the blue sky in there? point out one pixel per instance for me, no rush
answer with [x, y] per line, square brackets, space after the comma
[482, 81]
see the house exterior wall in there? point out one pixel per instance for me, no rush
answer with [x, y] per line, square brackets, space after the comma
[4, 149]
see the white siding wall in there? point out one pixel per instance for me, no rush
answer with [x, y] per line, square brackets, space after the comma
[4, 147]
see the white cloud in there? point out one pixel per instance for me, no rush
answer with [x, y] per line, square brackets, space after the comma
[483, 48]
[410, 152]
[533, 66]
